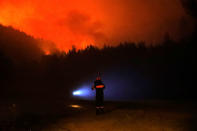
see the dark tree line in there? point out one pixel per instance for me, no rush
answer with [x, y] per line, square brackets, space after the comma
[26, 74]
[171, 65]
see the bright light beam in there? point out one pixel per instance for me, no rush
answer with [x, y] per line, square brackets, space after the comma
[84, 92]
[77, 93]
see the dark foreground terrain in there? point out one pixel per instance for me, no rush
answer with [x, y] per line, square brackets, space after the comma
[118, 116]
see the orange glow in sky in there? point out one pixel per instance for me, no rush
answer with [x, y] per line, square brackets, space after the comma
[97, 22]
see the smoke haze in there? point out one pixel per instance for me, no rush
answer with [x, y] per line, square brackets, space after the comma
[84, 22]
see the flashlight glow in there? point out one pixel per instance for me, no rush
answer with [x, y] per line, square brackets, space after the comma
[76, 93]
[84, 92]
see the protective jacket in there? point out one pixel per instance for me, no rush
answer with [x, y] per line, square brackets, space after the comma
[99, 86]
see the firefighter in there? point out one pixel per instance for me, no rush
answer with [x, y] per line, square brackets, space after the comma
[99, 86]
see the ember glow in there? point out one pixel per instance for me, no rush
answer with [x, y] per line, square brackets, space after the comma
[75, 106]
[86, 22]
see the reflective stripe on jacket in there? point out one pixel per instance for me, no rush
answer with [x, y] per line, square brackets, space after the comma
[100, 86]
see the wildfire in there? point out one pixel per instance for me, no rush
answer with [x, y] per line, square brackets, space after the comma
[81, 23]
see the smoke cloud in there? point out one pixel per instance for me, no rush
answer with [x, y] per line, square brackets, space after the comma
[84, 22]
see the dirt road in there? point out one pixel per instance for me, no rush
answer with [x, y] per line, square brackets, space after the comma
[118, 116]
[136, 116]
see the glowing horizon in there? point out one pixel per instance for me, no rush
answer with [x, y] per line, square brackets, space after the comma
[85, 22]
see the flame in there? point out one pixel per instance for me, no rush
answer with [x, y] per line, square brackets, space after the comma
[85, 22]
[52, 25]
[47, 52]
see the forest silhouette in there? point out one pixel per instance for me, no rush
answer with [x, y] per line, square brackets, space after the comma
[169, 64]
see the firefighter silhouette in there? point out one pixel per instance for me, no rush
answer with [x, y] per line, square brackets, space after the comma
[99, 86]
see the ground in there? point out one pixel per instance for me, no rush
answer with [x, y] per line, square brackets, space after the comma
[123, 116]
